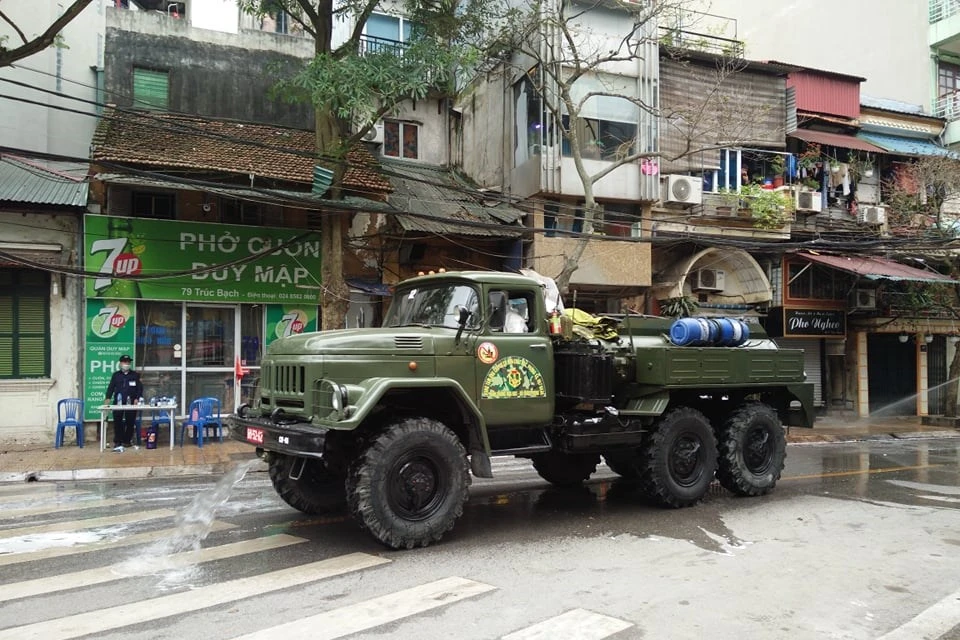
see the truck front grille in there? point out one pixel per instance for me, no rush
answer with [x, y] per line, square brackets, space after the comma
[288, 378]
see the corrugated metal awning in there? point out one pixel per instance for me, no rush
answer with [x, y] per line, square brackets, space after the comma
[877, 268]
[35, 182]
[835, 140]
[907, 146]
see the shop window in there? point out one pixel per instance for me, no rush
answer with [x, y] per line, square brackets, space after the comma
[251, 350]
[161, 206]
[607, 124]
[620, 220]
[24, 324]
[400, 139]
[561, 219]
[807, 281]
[158, 334]
[150, 89]
[529, 132]
[209, 337]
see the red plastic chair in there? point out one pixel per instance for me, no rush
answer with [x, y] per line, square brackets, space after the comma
[69, 414]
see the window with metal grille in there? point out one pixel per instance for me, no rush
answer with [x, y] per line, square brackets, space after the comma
[24, 324]
[150, 89]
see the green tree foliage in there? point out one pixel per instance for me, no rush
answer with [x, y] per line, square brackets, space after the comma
[352, 85]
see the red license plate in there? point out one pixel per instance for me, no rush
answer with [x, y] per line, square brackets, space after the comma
[254, 435]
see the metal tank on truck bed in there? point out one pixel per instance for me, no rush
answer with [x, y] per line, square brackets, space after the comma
[390, 423]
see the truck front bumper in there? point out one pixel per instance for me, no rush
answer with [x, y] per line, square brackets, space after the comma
[289, 438]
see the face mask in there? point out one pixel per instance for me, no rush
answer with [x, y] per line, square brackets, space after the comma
[125, 367]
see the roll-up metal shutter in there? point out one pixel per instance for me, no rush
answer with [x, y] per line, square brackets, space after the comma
[812, 362]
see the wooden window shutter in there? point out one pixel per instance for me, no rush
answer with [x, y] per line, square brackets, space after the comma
[24, 324]
[150, 89]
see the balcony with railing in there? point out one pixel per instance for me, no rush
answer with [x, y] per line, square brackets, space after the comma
[699, 31]
[373, 45]
[943, 9]
[944, 30]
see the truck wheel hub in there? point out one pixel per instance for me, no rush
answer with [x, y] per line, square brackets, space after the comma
[414, 492]
[757, 451]
[685, 459]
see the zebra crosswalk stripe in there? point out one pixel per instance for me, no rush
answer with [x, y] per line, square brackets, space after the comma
[125, 541]
[6, 498]
[101, 620]
[576, 624]
[119, 571]
[27, 489]
[89, 523]
[65, 505]
[368, 614]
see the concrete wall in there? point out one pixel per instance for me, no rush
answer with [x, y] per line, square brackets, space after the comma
[211, 73]
[68, 71]
[884, 41]
[29, 406]
[484, 134]
[431, 116]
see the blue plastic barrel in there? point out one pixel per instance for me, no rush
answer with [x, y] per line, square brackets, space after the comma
[687, 331]
[733, 332]
[725, 332]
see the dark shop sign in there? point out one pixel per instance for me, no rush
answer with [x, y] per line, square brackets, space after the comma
[814, 322]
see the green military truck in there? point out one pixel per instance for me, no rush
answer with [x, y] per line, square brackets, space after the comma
[391, 422]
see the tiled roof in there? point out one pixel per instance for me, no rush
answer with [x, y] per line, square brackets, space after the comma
[160, 139]
[37, 182]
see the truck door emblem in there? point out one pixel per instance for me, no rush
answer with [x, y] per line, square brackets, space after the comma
[487, 352]
[513, 377]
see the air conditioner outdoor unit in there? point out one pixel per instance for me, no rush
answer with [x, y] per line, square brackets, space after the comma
[864, 299]
[872, 214]
[682, 189]
[809, 201]
[375, 134]
[709, 280]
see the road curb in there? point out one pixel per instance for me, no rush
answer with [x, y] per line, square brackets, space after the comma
[123, 473]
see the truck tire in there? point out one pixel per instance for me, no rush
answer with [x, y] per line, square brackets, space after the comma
[316, 492]
[627, 464]
[408, 486]
[680, 458]
[752, 448]
[565, 469]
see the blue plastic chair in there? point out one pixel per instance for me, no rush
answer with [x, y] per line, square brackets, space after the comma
[203, 413]
[69, 414]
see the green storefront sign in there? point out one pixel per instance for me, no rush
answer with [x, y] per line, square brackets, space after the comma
[205, 262]
[110, 333]
[287, 320]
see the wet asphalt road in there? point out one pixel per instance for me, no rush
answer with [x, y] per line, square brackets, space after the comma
[859, 540]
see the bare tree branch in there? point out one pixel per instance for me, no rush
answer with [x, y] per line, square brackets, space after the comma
[45, 39]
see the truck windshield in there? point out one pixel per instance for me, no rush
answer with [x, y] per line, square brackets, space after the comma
[434, 306]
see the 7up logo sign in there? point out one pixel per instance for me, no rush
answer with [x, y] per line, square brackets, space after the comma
[109, 320]
[117, 263]
[291, 323]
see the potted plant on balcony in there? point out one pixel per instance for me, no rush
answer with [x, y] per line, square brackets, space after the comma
[777, 166]
[769, 209]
